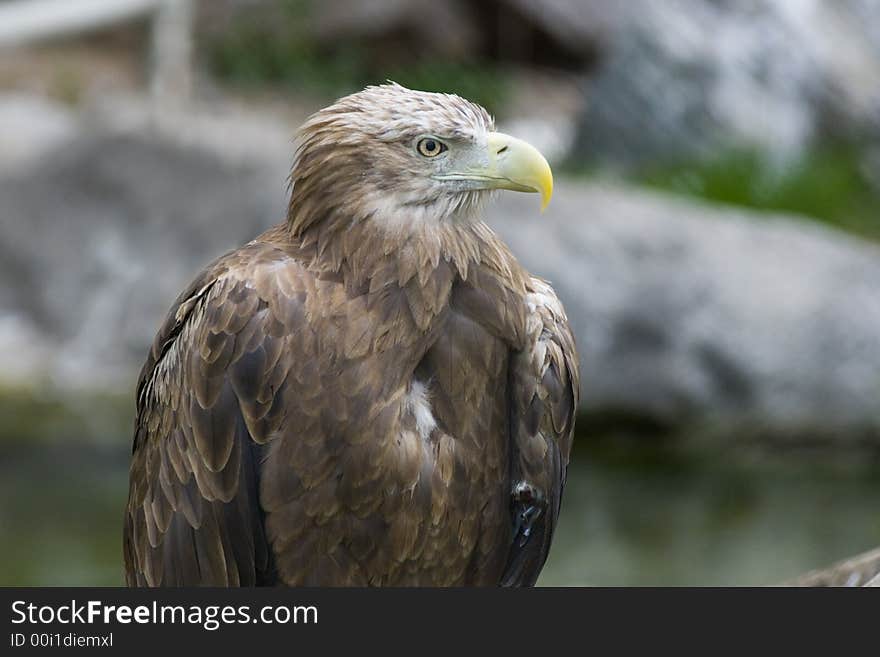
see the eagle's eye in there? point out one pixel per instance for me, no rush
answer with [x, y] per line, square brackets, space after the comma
[430, 147]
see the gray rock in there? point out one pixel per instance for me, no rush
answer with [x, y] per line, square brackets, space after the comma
[691, 313]
[98, 242]
[680, 79]
[30, 128]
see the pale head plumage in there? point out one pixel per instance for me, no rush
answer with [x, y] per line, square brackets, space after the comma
[358, 159]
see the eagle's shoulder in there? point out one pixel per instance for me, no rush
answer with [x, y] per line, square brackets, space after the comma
[206, 402]
[244, 298]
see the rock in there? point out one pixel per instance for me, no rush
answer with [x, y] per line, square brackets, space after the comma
[85, 224]
[687, 313]
[684, 78]
[31, 127]
[96, 245]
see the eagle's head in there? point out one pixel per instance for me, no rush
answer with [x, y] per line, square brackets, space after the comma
[393, 155]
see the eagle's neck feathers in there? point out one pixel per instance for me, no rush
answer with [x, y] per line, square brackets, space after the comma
[422, 264]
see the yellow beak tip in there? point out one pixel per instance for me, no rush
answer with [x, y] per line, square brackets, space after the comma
[545, 198]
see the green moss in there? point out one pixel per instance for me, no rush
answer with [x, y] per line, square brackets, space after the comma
[829, 184]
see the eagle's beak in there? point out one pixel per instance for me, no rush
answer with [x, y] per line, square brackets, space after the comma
[509, 163]
[517, 165]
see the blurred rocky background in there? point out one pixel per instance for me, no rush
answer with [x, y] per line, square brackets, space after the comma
[714, 236]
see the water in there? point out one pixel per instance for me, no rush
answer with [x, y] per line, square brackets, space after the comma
[61, 515]
[719, 523]
[627, 520]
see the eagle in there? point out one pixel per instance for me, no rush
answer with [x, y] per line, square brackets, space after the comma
[374, 392]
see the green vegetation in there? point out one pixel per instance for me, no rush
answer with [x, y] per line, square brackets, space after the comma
[278, 51]
[830, 184]
[31, 415]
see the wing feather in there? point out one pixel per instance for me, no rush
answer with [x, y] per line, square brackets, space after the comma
[544, 397]
[205, 400]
